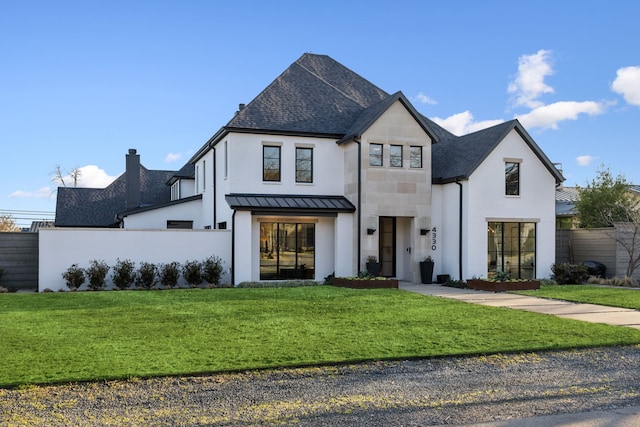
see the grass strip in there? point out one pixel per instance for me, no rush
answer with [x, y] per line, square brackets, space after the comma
[613, 297]
[67, 337]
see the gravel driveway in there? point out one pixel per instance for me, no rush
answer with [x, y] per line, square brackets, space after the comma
[400, 393]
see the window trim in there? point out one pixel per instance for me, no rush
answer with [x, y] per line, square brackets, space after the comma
[310, 181]
[279, 169]
[371, 146]
[512, 188]
[392, 156]
[411, 157]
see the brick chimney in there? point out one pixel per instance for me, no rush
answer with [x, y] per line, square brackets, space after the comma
[132, 175]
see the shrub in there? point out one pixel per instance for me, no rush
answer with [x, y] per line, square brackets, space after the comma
[97, 272]
[74, 276]
[169, 274]
[192, 272]
[565, 273]
[123, 274]
[146, 275]
[212, 270]
[451, 283]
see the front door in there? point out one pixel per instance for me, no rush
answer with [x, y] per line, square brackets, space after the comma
[387, 247]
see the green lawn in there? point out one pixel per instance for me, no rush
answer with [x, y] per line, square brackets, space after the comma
[61, 337]
[615, 297]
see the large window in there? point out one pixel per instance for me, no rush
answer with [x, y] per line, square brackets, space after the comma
[415, 157]
[512, 249]
[395, 156]
[287, 250]
[304, 164]
[512, 178]
[375, 154]
[270, 163]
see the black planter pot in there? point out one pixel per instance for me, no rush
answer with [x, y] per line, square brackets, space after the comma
[426, 272]
[373, 268]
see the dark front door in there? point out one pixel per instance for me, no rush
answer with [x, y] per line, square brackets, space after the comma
[387, 247]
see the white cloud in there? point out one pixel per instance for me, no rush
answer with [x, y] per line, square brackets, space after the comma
[529, 84]
[627, 84]
[463, 123]
[421, 97]
[90, 176]
[172, 157]
[585, 160]
[548, 116]
[43, 192]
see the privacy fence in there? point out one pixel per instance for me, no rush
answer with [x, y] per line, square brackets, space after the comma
[598, 244]
[19, 260]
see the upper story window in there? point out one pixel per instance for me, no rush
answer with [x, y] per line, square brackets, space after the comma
[226, 159]
[375, 154]
[415, 156]
[304, 164]
[512, 178]
[270, 163]
[175, 190]
[395, 156]
[204, 175]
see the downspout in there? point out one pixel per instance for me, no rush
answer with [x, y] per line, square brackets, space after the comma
[357, 141]
[460, 233]
[233, 249]
[215, 188]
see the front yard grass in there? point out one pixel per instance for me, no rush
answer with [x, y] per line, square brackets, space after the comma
[68, 337]
[614, 297]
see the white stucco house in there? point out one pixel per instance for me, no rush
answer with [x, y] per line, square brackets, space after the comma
[323, 169]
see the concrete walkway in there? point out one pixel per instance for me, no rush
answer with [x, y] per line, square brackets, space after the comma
[587, 312]
[622, 417]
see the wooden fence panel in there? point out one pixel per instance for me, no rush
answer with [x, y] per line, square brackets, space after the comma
[19, 260]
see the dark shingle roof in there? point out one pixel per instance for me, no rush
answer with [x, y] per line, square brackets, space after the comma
[458, 157]
[188, 171]
[289, 203]
[97, 207]
[314, 95]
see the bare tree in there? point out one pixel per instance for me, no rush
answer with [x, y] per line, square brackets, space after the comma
[59, 176]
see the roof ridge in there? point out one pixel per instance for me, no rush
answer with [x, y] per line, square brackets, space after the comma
[329, 84]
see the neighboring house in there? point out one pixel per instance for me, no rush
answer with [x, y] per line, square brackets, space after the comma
[323, 169]
[566, 198]
[99, 207]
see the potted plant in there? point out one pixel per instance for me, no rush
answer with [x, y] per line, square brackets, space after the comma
[426, 270]
[373, 266]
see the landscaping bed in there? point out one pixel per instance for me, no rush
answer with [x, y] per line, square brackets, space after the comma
[503, 286]
[357, 283]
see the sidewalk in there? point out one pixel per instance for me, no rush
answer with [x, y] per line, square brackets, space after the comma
[621, 417]
[587, 312]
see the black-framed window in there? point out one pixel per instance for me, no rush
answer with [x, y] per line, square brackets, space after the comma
[270, 163]
[179, 225]
[415, 156]
[287, 250]
[304, 164]
[512, 178]
[395, 156]
[375, 154]
[512, 249]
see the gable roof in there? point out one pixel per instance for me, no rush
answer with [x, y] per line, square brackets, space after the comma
[316, 96]
[98, 207]
[456, 158]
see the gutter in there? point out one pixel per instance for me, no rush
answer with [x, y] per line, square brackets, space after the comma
[356, 139]
[459, 232]
[215, 189]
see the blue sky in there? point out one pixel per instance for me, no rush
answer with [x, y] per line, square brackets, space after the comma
[81, 82]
